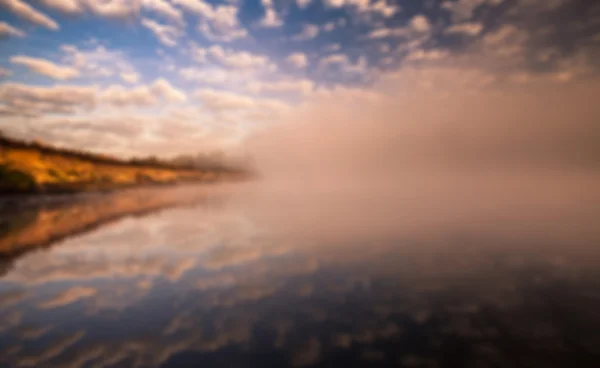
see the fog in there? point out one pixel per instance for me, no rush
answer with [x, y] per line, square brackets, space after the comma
[508, 162]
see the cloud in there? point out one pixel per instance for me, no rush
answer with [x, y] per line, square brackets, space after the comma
[427, 55]
[96, 62]
[45, 67]
[301, 86]
[163, 88]
[334, 3]
[420, 23]
[64, 6]
[218, 100]
[219, 23]
[309, 31]
[29, 99]
[464, 9]
[28, 13]
[237, 59]
[389, 32]
[297, 60]
[117, 9]
[468, 29]
[68, 296]
[118, 95]
[165, 9]
[328, 27]
[271, 18]
[303, 3]
[166, 34]
[384, 9]
[130, 77]
[5, 72]
[6, 30]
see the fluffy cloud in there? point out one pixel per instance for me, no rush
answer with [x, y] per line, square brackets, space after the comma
[64, 6]
[216, 100]
[97, 62]
[45, 67]
[219, 23]
[469, 29]
[28, 13]
[26, 99]
[165, 9]
[4, 72]
[463, 9]
[384, 9]
[237, 59]
[303, 3]
[389, 32]
[130, 77]
[427, 55]
[420, 23]
[6, 30]
[142, 95]
[117, 9]
[301, 86]
[297, 60]
[309, 31]
[166, 34]
[271, 18]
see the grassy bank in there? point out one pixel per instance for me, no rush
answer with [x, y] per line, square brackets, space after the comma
[30, 168]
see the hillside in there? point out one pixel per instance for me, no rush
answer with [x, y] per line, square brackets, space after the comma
[37, 168]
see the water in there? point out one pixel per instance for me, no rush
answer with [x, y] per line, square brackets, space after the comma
[214, 276]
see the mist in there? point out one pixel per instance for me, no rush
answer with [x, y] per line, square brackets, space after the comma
[506, 162]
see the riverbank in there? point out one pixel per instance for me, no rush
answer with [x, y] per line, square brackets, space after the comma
[36, 169]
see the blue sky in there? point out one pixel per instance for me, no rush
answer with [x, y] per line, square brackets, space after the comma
[146, 76]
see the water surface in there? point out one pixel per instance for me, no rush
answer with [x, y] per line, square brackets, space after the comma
[231, 278]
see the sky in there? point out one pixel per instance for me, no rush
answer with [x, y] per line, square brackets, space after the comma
[166, 77]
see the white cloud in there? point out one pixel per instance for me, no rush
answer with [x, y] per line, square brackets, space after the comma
[64, 6]
[45, 67]
[389, 32]
[130, 77]
[25, 11]
[166, 34]
[333, 47]
[301, 86]
[218, 100]
[32, 100]
[163, 88]
[303, 3]
[309, 32]
[328, 27]
[334, 59]
[271, 18]
[469, 29]
[97, 62]
[118, 9]
[297, 60]
[4, 72]
[165, 9]
[219, 24]
[343, 64]
[384, 9]
[427, 55]
[237, 59]
[6, 30]
[420, 23]
[334, 3]
[140, 96]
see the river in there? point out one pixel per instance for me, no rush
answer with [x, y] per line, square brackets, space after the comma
[222, 276]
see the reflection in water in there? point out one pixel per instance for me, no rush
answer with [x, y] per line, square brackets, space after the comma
[213, 285]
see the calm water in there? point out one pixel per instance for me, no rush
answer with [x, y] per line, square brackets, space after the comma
[217, 279]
